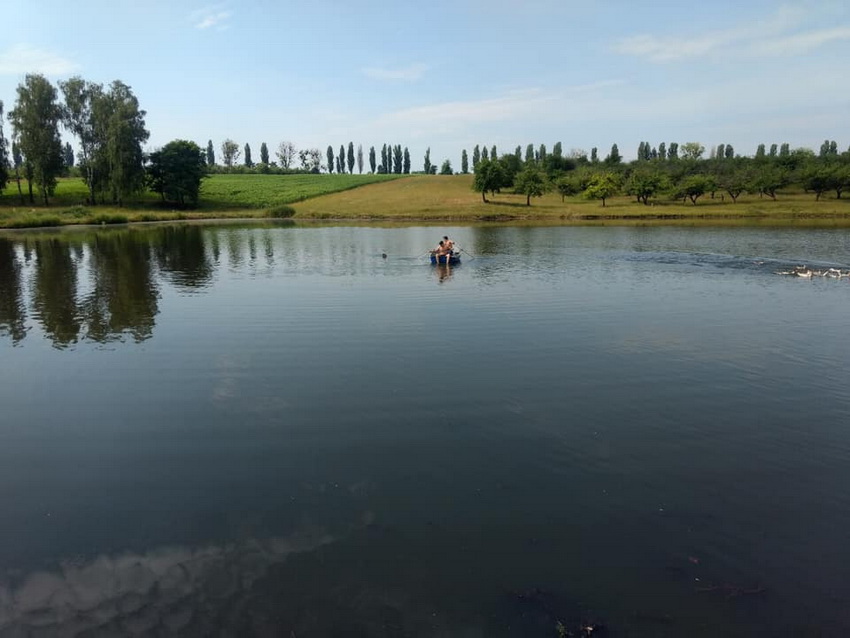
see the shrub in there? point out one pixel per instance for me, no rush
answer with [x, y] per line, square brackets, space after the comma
[281, 212]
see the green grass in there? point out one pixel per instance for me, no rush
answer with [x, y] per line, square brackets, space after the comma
[222, 196]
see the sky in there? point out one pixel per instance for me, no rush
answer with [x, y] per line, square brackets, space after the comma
[450, 74]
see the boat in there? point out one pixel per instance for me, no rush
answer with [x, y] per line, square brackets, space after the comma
[451, 260]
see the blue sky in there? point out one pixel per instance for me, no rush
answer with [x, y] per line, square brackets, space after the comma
[451, 74]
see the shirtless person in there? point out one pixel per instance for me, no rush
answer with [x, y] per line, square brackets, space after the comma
[449, 244]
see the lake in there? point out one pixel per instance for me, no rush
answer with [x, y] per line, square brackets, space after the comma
[310, 431]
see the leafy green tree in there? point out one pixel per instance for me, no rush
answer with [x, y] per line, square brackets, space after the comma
[833, 148]
[210, 154]
[673, 152]
[530, 182]
[446, 168]
[602, 186]
[692, 150]
[558, 150]
[662, 151]
[760, 152]
[264, 153]
[511, 167]
[773, 150]
[78, 118]
[693, 187]
[817, 180]
[248, 161]
[518, 152]
[406, 163]
[464, 163]
[351, 158]
[594, 155]
[229, 153]
[341, 160]
[640, 151]
[36, 119]
[175, 172]
[398, 159]
[614, 157]
[67, 153]
[385, 165]
[17, 163]
[493, 153]
[488, 177]
[121, 129]
[476, 157]
[768, 181]
[785, 150]
[529, 153]
[285, 154]
[541, 153]
[330, 156]
[734, 179]
[720, 151]
[568, 186]
[730, 152]
[653, 154]
[359, 159]
[839, 178]
[311, 159]
[4, 156]
[427, 164]
[485, 154]
[646, 183]
[372, 160]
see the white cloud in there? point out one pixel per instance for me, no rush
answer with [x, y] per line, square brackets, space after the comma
[23, 58]
[408, 74]
[212, 16]
[771, 37]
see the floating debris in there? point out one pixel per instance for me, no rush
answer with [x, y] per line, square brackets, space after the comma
[808, 273]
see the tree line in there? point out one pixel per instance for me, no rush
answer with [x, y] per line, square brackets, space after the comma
[673, 172]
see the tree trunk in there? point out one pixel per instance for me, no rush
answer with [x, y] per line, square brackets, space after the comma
[32, 199]
[528, 200]
[484, 196]
[20, 192]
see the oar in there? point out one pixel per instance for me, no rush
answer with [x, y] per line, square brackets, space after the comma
[471, 256]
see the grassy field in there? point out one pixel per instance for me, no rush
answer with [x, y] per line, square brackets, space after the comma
[418, 198]
[450, 198]
[222, 196]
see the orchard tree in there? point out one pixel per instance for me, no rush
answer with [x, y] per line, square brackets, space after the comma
[35, 120]
[646, 183]
[229, 153]
[175, 172]
[602, 186]
[567, 186]
[264, 154]
[694, 186]
[464, 163]
[530, 182]
[488, 177]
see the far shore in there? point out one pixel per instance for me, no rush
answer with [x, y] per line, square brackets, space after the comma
[432, 200]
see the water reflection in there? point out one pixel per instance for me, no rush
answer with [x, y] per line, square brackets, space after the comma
[13, 312]
[167, 590]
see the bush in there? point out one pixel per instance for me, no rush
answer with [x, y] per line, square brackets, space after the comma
[281, 212]
[109, 218]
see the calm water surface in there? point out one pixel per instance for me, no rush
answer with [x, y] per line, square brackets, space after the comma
[225, 430]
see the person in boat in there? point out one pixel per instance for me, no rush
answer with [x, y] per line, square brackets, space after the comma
[449, 244]
[441, 251]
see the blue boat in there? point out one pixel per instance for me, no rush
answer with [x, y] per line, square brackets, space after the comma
[451, 260]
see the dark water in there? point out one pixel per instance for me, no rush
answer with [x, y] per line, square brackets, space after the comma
[220, 430]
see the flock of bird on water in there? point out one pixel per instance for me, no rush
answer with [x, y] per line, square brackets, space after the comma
[808, 273]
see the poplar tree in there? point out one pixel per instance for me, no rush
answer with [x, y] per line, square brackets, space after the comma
[613, 157]
[773, 150]
[673, 153]
[264, 153]
[485, 154]
[662, 151]
[341, 156]
[760, 152]
[730, 152]
[493, 154]
[372, 160]
[518, 152]
[351, 157]
[210, 154]
[4, 157]
[720, 151]
[36, 119]
[67, 153]
[398, 159]
[594, 155]
[406, 167]
[529, 153]
[427, 164]
[360, 159]
[557, 150]
[384, 168]
[476, 156]
[330, 154]
[640, 151]
[541, 154]
[464, 163]
[248, 161]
